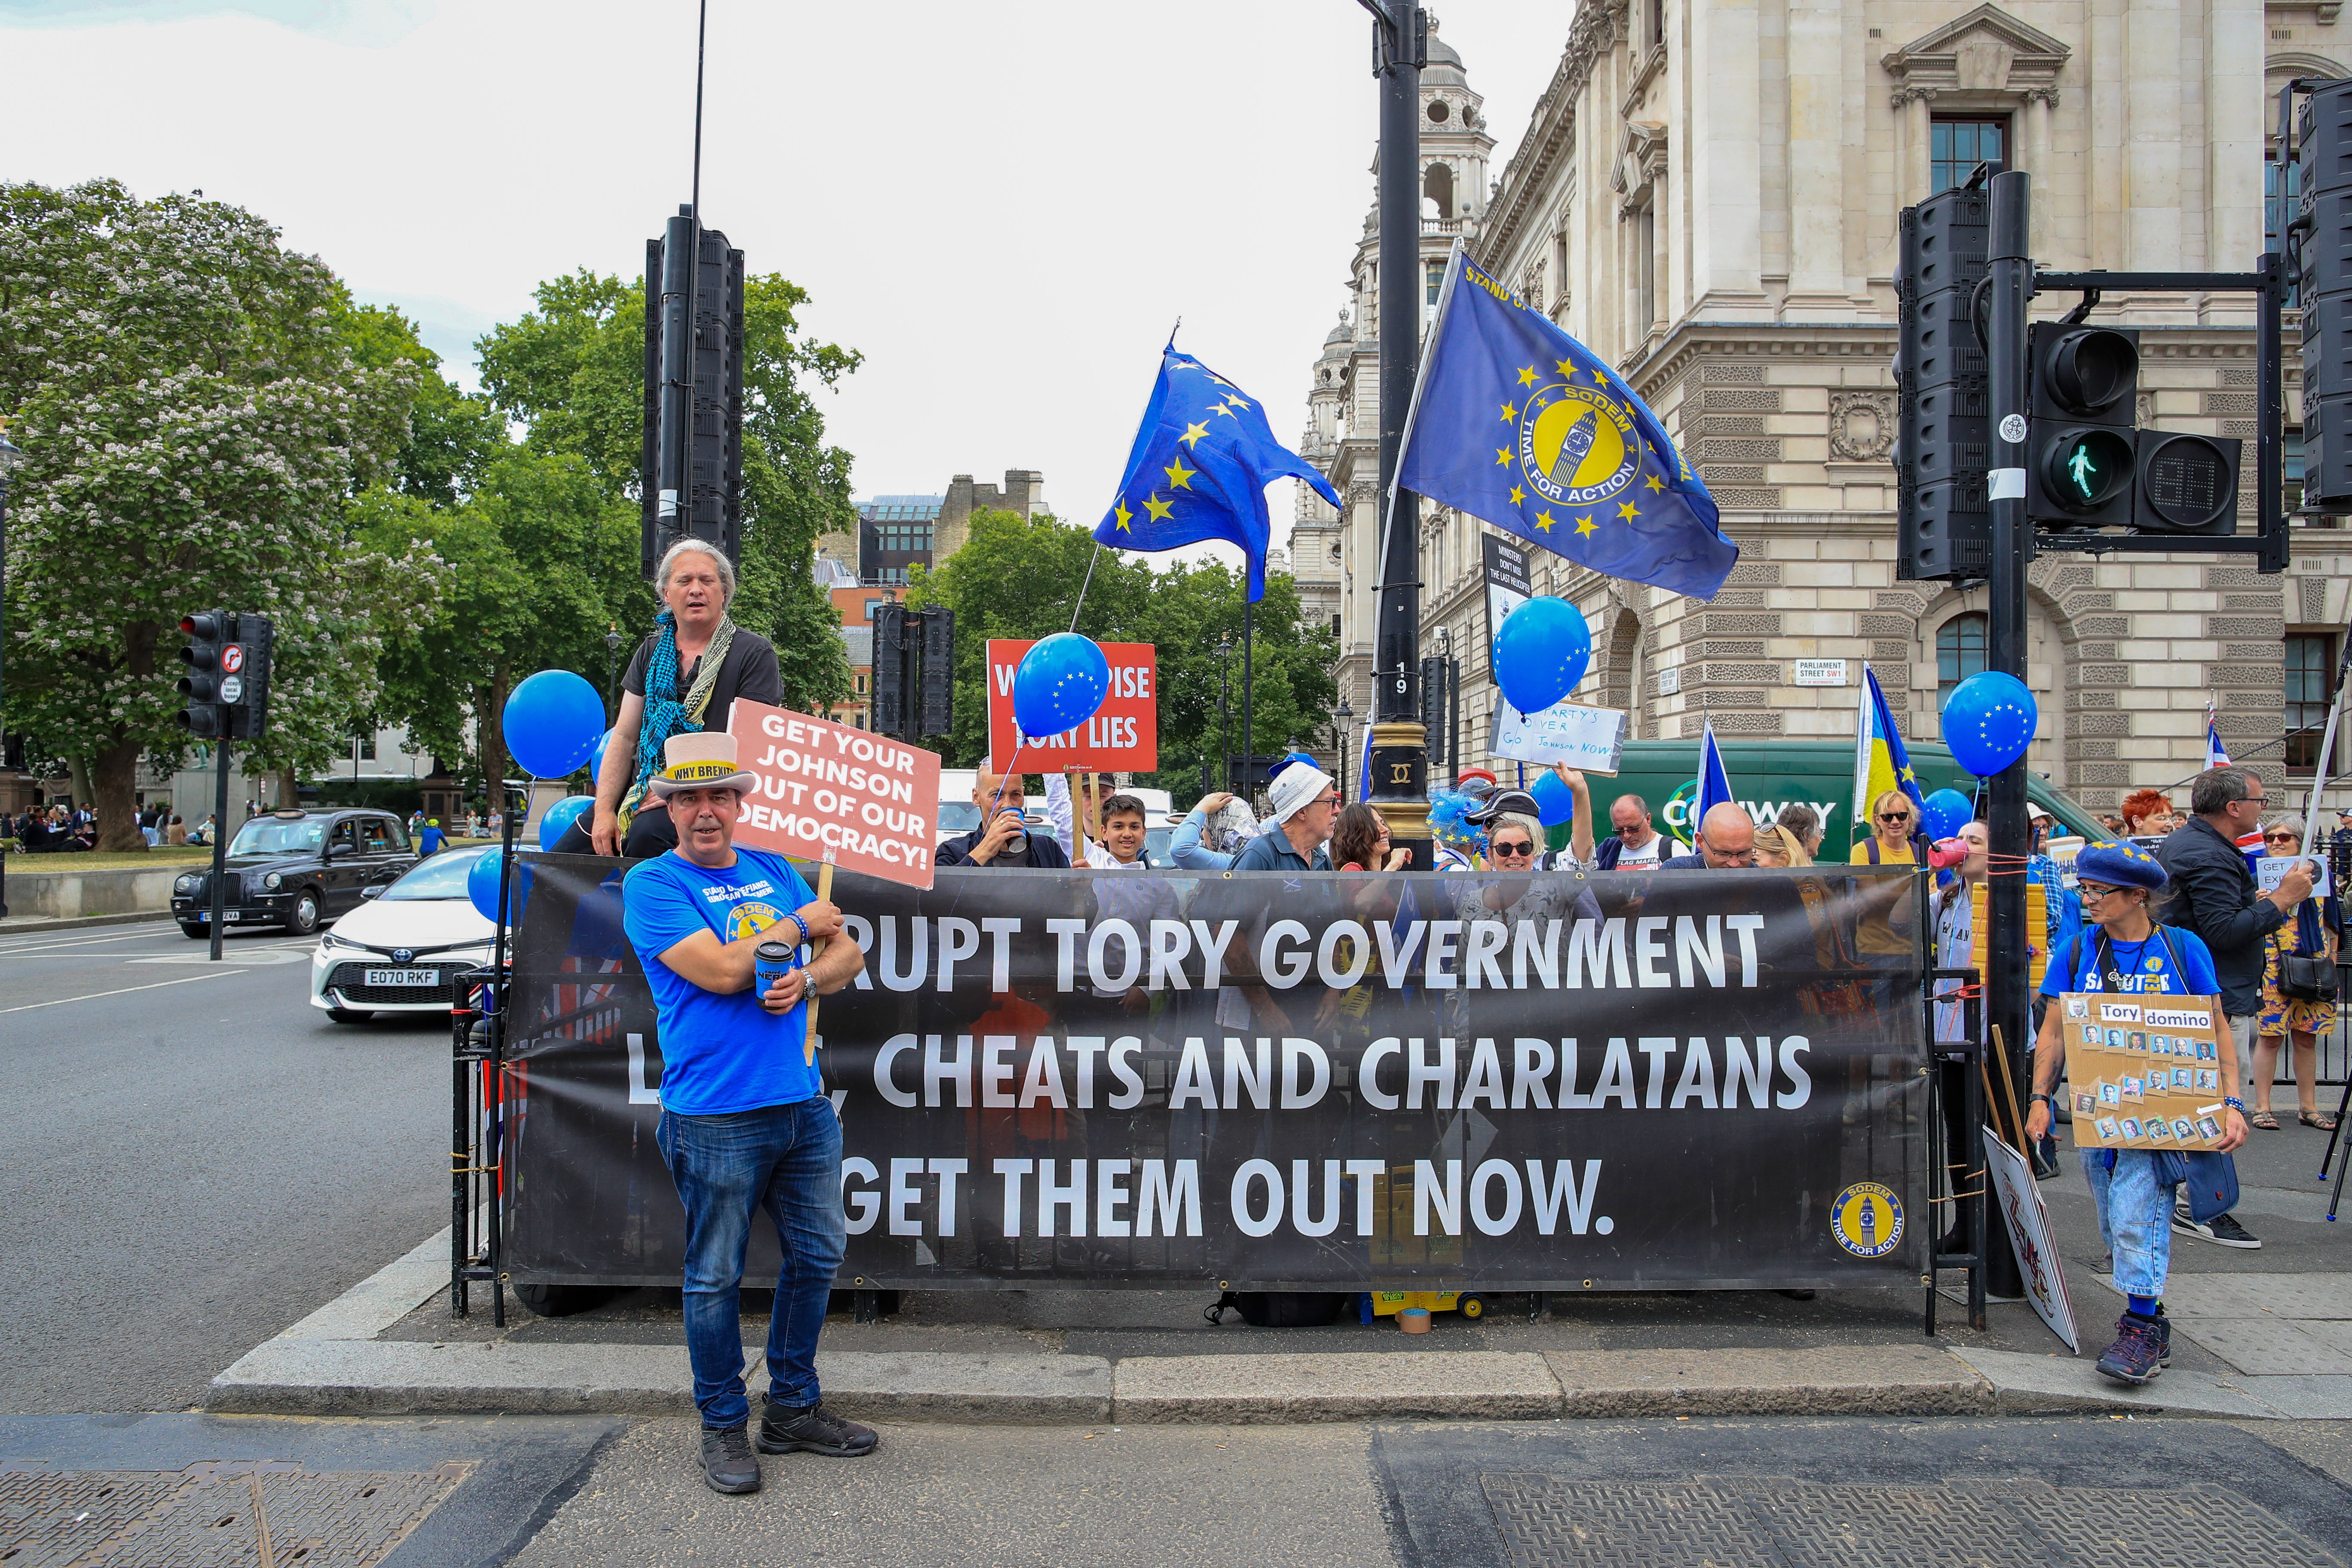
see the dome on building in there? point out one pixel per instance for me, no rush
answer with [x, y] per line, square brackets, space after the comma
[1444, 67]
[1345, 332]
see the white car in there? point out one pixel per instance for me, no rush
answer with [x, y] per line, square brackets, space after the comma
[401, 950]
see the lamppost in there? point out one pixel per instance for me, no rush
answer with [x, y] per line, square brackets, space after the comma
[611, 651]
[10, 455]
[1344, 715]
[1224, 730]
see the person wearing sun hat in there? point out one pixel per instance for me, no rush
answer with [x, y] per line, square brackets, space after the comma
[745, 1123]
[2124, 951]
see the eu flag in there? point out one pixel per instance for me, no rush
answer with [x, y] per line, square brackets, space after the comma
[1199, 467]
[1518, 423]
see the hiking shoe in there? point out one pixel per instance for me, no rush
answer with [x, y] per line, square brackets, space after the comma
[2163, 1337]
[727, 1461]
[2225, 1230]
[813, 1429]
[2137, 1355]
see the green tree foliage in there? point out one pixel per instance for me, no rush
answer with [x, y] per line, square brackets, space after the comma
[573, 371]
[1017, 578]
[452, 437]
[196, 427]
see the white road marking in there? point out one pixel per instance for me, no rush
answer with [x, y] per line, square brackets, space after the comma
[256, 953]
[124, 991]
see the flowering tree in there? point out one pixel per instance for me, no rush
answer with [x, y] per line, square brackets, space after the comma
[195, 427]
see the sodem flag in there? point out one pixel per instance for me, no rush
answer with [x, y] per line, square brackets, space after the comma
[1198, 470]
[1518, 423]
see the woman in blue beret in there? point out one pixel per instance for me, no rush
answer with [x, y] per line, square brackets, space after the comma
[2124, 951]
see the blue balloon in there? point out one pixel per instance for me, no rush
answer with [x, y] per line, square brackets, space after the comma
[1540, 653]
[482, 886]
[551, 724]
[560, 816]
[1946, 812]
[1555, 802]
[1988, 721]
[1060, 684]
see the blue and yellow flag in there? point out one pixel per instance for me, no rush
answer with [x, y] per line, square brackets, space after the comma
[1199, 467]
[1518, 423]
[1880, 762]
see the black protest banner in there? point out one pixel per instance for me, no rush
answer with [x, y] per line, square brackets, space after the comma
[1680, 1080]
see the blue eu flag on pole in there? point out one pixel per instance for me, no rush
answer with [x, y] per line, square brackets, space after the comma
[1518, 423]
[1199, 467]
[1714, 782]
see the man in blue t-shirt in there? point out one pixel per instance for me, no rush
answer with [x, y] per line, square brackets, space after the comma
[2124, 951]
[745, 1122]
[432, 840]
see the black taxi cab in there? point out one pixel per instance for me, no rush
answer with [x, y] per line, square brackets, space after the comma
[297, 868]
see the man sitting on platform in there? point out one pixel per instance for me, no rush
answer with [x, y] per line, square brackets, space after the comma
[745, 1123]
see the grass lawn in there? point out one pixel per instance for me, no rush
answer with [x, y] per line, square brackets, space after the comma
[22, 865]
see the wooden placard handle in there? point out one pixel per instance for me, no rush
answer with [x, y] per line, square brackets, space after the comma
[823, 896]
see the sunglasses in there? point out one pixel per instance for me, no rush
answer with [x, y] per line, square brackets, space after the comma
[1893, 816]
[2278, 837]
[1513, 851]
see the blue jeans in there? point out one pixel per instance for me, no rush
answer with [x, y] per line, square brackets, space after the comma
[2135, 1217]
[785, 1159]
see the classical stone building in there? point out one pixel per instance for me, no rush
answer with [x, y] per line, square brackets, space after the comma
[902, 531]
[1706, 194]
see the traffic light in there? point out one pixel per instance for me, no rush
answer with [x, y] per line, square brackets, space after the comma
[207, 636]
[245, 680]
[939, 671]
[891, 667]
[1943, 443]
[2322, 239]
[2081, 391]
[2187, 484]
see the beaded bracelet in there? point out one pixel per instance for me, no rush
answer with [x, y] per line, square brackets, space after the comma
[2233, 1102]
[794, 916]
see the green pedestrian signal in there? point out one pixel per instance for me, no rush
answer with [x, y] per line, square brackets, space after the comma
[2081, 466]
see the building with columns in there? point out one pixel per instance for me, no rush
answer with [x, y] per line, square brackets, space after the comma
[1706, 194]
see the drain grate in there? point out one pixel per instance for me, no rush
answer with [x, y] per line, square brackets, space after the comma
[1777, 1522]
[215, 1515]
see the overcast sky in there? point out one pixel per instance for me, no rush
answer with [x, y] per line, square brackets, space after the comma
[1004, 206]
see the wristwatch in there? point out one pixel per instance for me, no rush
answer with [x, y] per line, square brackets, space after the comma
[2048, 1099]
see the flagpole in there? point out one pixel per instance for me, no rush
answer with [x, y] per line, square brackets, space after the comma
[1249, 735]
[1865, 725]
[1454, 262]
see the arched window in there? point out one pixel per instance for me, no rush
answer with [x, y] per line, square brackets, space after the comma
[1959, 651]
[1437, 185]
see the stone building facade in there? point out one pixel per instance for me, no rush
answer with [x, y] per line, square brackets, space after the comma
[945, 522]
[1708, 196]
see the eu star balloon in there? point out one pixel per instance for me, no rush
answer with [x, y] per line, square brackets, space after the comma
[1059, 684]
[1946, 812]
[551, 722]
[1540, 652]
[1988, 721]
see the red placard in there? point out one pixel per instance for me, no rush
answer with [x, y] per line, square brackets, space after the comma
[1122, 738]
[829, 792]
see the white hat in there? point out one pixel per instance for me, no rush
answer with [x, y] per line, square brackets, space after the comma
[695, 761]
[1293, 787]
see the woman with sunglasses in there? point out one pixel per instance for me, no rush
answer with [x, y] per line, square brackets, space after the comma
[2283, 1017]
[1884, 938]
[2125, 950]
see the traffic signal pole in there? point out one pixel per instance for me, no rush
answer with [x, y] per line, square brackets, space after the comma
[1400, 750]
[219, 880]
[2008, 999]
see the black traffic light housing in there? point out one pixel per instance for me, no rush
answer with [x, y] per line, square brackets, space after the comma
[208, 634]
[2081, 391]
[248, 708]
[2321, 241]
[2186, 484]
[1943, 444]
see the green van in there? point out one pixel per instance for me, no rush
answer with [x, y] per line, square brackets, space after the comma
[1768, 774]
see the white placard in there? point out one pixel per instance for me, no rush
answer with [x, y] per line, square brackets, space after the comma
[2271, 868]
[1821, 672]
[2018, 1199]
[1590, 740]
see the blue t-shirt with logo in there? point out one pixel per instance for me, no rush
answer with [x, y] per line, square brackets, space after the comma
[2142, 966]
[720, 1054]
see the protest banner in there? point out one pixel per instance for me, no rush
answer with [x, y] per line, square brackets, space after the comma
[1674, 1081]
[835, 793]
[2145, 1069]
[2269, 869]
[1122, 737]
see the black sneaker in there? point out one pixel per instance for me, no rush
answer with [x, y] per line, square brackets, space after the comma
[2137, 1355]
[814, 1429]
[2163, 1337]
[2225, 1231]
[727, 1461]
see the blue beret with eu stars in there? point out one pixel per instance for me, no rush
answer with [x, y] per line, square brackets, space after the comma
[2119, 866]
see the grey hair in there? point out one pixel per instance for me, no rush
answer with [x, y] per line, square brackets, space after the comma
[702, 547]
[2287, 820]
[2217, 789]
[1523, 822]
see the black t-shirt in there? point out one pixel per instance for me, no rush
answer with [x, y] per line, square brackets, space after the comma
[749, 670]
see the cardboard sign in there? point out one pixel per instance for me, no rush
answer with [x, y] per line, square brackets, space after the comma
[832, 793]
[2144, 1069]
[2019, 1198]
[1122, 737]
[1591, 739]
[2271, 868]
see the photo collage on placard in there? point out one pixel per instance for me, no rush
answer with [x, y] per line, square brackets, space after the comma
[2143, 1072]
